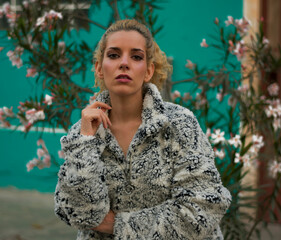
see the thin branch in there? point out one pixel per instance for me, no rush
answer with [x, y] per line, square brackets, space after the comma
[89, 20]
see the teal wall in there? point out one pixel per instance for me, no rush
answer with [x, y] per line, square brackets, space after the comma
[185, 22]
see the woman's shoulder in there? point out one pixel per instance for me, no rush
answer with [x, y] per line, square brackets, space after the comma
[175, 111]
[181, 119]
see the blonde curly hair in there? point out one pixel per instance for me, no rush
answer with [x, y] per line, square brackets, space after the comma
[162, 69]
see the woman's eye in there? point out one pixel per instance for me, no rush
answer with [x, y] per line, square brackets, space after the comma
[137, 58]
[112, 55]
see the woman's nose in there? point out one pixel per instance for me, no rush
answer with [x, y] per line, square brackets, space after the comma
[124, 62]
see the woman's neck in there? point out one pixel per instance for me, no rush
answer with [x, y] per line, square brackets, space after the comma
[126, 109]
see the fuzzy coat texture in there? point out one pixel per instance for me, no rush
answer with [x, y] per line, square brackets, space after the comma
[166, 187]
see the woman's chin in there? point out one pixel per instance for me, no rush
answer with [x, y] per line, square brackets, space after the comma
[125, 90]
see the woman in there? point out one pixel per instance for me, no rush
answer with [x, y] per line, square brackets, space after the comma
[137, 167]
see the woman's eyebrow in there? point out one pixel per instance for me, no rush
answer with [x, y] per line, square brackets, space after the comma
[114, 48]
[119, 49]
[137, 50]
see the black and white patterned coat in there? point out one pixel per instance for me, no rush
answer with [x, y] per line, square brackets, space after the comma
[167, 187]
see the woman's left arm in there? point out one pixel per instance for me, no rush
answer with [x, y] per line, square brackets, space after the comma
[198, 198]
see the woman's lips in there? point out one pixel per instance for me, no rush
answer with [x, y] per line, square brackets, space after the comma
[123, 78]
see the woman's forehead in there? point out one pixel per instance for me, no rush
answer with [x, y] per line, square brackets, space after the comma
[127, 39]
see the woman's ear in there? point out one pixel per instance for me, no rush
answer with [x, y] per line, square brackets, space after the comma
[98, 70]
[149, 72]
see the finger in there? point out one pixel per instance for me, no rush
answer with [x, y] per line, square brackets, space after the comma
[105, 118]
[104, 121]
[100, 105]
[108, 120]
[97, 119]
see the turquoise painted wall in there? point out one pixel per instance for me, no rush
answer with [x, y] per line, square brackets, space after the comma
[185, 22]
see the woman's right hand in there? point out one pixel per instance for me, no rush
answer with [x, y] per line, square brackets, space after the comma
[92, 117]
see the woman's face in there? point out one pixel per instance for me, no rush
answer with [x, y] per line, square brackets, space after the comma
[124, 68]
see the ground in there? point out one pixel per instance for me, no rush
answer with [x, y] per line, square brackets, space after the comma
[29, 215]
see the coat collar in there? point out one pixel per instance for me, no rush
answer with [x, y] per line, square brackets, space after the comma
[153, 118]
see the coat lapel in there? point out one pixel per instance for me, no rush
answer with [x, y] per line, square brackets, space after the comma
[153, 119]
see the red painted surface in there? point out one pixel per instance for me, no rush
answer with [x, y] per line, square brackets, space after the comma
[264, 179]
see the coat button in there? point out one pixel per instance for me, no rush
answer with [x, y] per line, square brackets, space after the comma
[129, 188]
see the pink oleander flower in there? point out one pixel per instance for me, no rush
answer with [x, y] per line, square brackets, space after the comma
[53, 15]
[61, 46]
[262, 98]
[40, 152]
[175, 95]
[238, 158]
[48, 99]
[27, 127]
[31, 164]
[47, 160]
[218, 136]
[63, 61]
[19, 50]
[187, 97]
[245, 159]
[232, 101]
[93, 98]
[220, 95]
[34, 115]
[271, 111]
[240, 50]
[265, 41]
[61, 154]
[31, 72]
[41, 142]
[201, 100]
[216, 21]
[12, 17]
[229, 21]
[273, 89]
[6, 8]
[3, 121]
[204, 43]
[25, 4]
[189, 64]
[43, 159]
[17, 62]
[231, 46]
[235, 141]
[208, 132]
[258, 141]
[8, 111]
[14, 56]
[42, 22]
[274, 168]
[274, 102]
[276, 123]
[30, 42]
[243, 89]
[220, 154]
[242, 25]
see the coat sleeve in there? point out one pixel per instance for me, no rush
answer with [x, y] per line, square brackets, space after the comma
[198, 199]
[81, 195]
